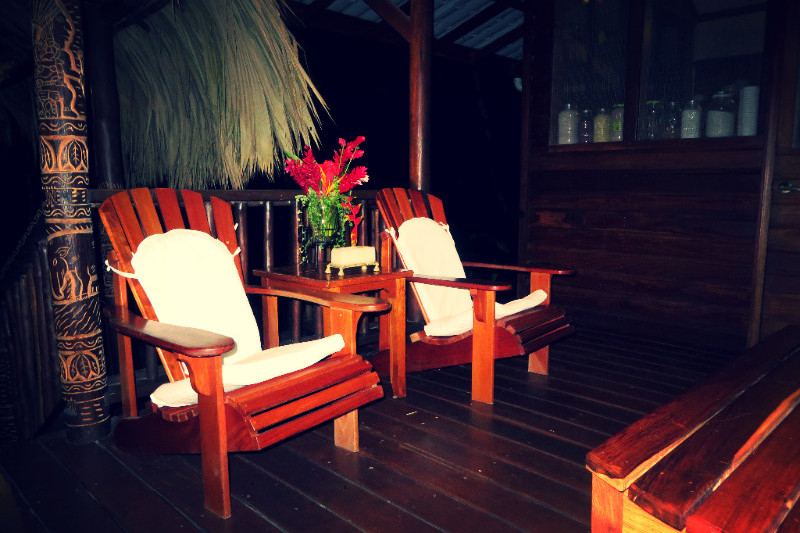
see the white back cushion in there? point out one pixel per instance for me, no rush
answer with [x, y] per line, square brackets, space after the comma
[191, 280]
[427, 248]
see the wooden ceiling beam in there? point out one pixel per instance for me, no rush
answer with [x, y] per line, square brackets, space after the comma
[471, 23]
[315, 16]
[308, 17]
[393, 16]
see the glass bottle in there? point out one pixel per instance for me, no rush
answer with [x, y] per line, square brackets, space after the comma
[692, 119]
[720, 119]
[568, 125]
[586, 126]
[617, 116]
[672, 121]
[602, 126]
[652, 120]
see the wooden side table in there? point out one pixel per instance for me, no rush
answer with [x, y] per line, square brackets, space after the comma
[391, 284]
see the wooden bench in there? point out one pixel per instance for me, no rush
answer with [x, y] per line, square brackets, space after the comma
[724, 456]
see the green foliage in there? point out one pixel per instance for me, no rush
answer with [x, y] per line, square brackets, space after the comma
[327, 222]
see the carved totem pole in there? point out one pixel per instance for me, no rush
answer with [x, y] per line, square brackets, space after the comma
[61, 109]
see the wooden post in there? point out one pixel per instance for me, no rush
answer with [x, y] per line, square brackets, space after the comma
[418, 31]
[776, 71]
[61, 110]
[420, 86]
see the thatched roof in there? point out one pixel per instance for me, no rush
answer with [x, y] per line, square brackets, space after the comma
[210, 93]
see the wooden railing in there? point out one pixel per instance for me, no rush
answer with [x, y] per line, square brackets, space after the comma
[29, 369]
[29, 372]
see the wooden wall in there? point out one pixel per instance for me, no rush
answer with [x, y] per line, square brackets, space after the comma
[666, 252]
[668, 237]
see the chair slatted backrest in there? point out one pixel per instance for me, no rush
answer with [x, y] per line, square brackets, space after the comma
[398, 205]
[131, 216]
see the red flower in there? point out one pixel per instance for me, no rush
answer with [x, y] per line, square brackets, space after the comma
[357, 176]
[306, 172]
[332, 178]
[352, 213]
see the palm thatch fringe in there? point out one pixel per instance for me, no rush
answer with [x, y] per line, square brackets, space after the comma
[211, 92]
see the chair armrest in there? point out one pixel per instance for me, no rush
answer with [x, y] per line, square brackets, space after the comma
[191, 342]
[462, 283]
[539, 269]
[334, 300]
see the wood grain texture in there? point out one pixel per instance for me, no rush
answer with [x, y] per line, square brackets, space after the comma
[433, 460]
[726, 460]
[767, 484]
[673, 488]
[485, 342]
[649, 248]
[630, 451]
[246, 418]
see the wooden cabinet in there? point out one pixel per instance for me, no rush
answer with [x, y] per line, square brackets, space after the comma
[686, 236]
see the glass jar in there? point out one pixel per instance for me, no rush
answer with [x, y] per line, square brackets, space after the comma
[568, 125]
[586, 126]
[617, 116]
[652, 120]
[692, 119]
[602, 126]
[672, 121]
[720, 120]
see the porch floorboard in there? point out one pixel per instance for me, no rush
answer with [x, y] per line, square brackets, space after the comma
[433, 461]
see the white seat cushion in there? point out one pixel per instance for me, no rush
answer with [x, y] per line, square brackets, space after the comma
[191, 280]
[258, 367]
[427, 248]
[457, 324]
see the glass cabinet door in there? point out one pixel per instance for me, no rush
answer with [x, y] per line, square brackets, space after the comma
[589, 57]
[699, 70]
[702, 69]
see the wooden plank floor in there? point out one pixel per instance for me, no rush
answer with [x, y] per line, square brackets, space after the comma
[430, 462]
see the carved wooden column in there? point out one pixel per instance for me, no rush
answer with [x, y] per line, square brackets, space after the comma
[61, 109]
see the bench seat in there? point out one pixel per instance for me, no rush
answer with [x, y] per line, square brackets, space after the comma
[724, 456]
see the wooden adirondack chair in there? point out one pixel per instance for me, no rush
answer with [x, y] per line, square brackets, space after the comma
[251, 417]
[530, 331]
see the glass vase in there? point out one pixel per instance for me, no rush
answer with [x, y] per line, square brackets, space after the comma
[326, 230]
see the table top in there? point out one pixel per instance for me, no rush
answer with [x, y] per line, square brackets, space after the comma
[319, 279]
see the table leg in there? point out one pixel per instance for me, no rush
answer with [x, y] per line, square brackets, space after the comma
[270, 321]
[397, 337]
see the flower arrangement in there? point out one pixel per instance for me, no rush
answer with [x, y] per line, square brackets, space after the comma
[330, 210]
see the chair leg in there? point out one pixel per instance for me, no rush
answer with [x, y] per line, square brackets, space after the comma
[206, 378]
[483, 346]
[538, 360]
[345, 431]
